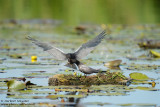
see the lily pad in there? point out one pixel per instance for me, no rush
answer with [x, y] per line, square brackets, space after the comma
[146, 88]
[16, 56]
[25, 97]
[34, 92]
[72, 90]
[2, 71]
[142, 67]
[108, 94]
[138, 76]
[114, 63]
[155, 54]
[14, 84]
[38, 74]
[64, 96]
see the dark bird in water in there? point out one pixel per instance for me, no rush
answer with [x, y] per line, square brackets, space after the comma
[73, 58]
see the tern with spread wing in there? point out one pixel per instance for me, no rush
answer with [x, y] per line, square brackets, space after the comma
[73, 58]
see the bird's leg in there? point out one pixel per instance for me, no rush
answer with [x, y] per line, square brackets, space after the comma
[76, 66]
[85, 75]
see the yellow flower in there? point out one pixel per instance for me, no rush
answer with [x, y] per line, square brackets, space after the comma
[33, 58]
[74, 73]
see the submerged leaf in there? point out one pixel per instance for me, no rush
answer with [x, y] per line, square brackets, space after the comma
[138, 76]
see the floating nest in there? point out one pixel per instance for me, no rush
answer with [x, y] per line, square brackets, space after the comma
[98, 79]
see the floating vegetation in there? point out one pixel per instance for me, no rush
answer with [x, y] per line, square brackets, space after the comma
[138, 76]
[18, 85]
[1, 61]
[115, 63]
[65, 96]
[36, 74]
[33, 63]
[149, 44]
[14, 84]
[16, 56]
[104, 78]
[138, 105]
[2, 71]
[146, 88]
[155, 54]
[141, 57]
[142, 67]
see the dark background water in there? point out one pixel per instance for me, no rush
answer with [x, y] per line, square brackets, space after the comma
[74, 12]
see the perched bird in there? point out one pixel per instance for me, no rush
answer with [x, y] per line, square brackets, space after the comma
[87, 70]
[83, 68]
[73, 58]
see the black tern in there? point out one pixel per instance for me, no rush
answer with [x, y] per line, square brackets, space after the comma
[73, 58]
[83, 68]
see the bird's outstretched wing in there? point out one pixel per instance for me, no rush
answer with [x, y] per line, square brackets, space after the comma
[86, 48]
[55, 52]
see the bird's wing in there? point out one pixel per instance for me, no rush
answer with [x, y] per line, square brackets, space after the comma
[55, 52]
[86, 48]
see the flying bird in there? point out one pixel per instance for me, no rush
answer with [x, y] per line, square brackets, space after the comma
[73, 58]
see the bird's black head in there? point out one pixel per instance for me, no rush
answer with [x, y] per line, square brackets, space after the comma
[71, 58]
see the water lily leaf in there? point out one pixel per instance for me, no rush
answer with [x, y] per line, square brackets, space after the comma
[16, 56]
[155, 54]
[97, 103]
[114, 63]
[138, 76]
[141, 105]
[107, 94]
[34, 92]
[72, 90]
[25, 97]
[46, 105]
[2, 84]
[14, 84]
[64, 96]
[33, 63]
[38, 74]
[146, 88]
[142, 67]
[2, 71]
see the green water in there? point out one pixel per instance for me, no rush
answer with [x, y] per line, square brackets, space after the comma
[74, 12]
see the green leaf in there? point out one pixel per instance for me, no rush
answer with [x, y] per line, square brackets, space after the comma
[155, 54]
[138, 76]
[14, 84]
